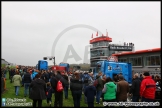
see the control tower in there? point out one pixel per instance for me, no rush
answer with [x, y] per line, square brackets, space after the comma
[101, 48]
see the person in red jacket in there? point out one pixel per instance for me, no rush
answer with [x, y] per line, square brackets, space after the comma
[147, 88]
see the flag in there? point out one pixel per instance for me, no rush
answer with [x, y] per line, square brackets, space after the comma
[97, 33]
[106, 33]
[92, 35]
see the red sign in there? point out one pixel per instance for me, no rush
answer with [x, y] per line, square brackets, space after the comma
[113, 58]
[59, 68]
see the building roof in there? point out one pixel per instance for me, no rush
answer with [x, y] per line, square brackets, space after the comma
[98, 39]
[138, 52]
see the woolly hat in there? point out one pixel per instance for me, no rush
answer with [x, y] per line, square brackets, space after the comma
[146, 74]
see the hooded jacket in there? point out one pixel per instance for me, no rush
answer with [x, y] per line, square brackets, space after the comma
[37, 89]
[109, 91]
[148, 88]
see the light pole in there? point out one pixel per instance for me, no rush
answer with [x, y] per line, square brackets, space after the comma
[50, 58]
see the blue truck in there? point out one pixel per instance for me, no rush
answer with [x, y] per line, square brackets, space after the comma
[111, 69]
[66, 65]
[42, 65]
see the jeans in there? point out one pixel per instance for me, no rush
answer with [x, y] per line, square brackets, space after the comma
[98, 95]
[76, 97]
[17, 90]
[4, 75]
[66, 91]
[85, 98]
[135, 98]
[26, 89]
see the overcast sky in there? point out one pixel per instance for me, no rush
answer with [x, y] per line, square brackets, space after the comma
[29, 29]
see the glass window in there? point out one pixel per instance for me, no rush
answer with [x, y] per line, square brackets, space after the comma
[152, 60]
[102, 52]
[122, 60]
[157, 59]
[136, 61]
[148, 61]
[139, 59]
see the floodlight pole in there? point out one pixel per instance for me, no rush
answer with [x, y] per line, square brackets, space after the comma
[54, 60]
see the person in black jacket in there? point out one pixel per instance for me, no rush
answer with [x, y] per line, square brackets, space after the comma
[46, 76]
[26, 80]
[66, 88]
[37, 90]
[58, 94]
[135, 88]
[12, 73]
[76, 86]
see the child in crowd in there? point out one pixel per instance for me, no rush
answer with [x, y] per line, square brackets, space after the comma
[49, 92]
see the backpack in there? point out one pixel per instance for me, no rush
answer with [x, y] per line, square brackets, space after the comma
[47, 92]
[95, 83]
[59, 87]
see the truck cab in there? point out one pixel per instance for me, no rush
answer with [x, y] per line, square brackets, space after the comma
[110, 69]
[66, 65]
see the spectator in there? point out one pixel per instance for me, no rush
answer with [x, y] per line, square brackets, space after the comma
[66, 88]
[76, 86]
[158, 81]
[104, 81]
[37, 90]
[17, 82]
[135, 88]
[99, 87]
[49, 91]
[5, 72]
[86, 77]
[109, 90]
[122, 89]
[90, 92]
[27, 78]
[147, 88]
[12, 73]
[116, 80]
[141, 78]
[34, 74]
[58, 94]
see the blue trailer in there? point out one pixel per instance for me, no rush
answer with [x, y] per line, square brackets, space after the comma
[111, 69]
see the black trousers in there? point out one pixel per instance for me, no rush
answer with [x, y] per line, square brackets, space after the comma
[35, 102]
[58, 99]
[90, 104]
